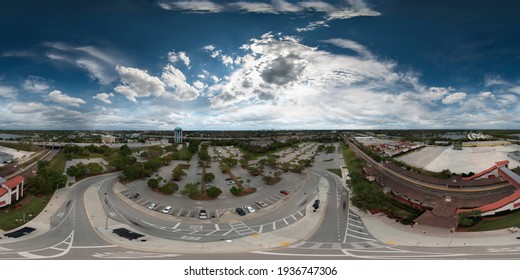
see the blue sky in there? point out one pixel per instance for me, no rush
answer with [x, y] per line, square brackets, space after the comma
[265, 64]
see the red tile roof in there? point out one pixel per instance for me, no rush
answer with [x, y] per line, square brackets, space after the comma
[495, 205]
[502, 162]
[2, 192]
[14, 181]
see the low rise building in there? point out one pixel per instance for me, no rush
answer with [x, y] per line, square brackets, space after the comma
[11, 190]
[108, 139]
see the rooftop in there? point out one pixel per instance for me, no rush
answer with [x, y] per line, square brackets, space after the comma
[14, 181]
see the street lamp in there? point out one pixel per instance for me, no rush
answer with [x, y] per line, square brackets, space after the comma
[106, 220]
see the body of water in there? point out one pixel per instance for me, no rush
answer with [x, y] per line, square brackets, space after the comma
[9, 136]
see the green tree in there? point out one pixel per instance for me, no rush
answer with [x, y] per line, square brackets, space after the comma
[154, 183]
[235, 191]
[125, 150]
[213, 192]
[209, 177]
[191, 190]
[178, 173]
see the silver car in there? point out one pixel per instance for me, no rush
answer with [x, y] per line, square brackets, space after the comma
[249, 209]
[152, 206]
[167, 209]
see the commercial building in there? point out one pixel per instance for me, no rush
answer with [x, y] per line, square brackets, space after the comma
[108, 139]
[177, 136]
[5, 157]
[11, 190]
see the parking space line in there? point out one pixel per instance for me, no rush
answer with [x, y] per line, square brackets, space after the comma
[176, 226]
[227, 232]
[178, 214]
[217, 227]
[261, 228]
[300, 213]
[274, 225]
[294, 218]
[211, 232]
[285, 222]
[356, 226]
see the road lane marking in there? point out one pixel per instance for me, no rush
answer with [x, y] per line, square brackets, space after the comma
[176, 226]
[226, 233]
[274, 225]
[217, 227]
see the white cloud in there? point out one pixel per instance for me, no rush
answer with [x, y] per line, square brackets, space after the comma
[454, 98]
[486, 95]
[96, 71]
[35, 84]
[200, 85]
[138, 83]
[275, 65]
[312, 26]
[59, 97]
[349, 44]
[209, 48]
[104, 97]
[340, 10]
[99, 64]
[515, 89]
[7, 91]
[195, 6]
[435, 94]
[174, 57]
[254, 7]
[284, 6]
[317, 6]
[176, 80]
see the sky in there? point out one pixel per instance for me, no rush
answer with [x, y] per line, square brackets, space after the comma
[263, 64]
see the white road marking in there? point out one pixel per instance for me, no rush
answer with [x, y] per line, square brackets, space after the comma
[176, 226]
[217, 227]
[274, 225]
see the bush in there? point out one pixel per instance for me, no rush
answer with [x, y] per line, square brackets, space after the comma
[213, 192]
[235, 191]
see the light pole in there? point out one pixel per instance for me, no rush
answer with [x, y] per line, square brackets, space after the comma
[106, 221]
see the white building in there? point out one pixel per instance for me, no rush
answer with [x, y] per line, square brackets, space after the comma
[108, 139]
[11, 190]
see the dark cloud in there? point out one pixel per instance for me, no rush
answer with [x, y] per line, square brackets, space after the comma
[283, 70]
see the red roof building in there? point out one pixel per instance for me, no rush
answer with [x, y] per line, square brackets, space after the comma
[11, 190]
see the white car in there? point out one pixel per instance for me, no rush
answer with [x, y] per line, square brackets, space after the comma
[167, 209]
[249, 209]
[152, 206]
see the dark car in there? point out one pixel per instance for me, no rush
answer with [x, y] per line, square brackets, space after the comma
[133, 196]
[284, 192]
[241, 212]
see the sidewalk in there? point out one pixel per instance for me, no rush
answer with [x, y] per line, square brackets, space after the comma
[42, 222]
[388, 231]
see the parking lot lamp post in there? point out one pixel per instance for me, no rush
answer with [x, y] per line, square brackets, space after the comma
[106, 220]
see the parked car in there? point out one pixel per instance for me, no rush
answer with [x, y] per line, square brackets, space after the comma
[167, 209]
[249, 209]
[284, 192]
[241, 212]
[261, 204]
[230, 182]
[203, 214]
[152, 206]
[133, 196]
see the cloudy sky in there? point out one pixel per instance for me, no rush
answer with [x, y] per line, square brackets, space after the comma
[263, 64]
